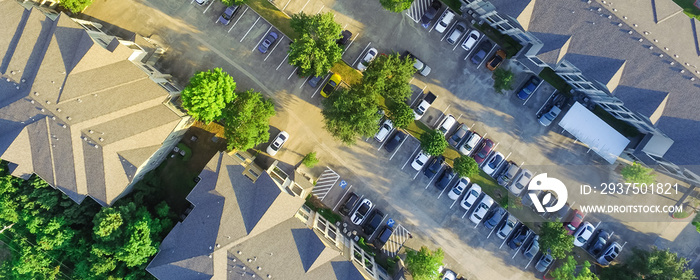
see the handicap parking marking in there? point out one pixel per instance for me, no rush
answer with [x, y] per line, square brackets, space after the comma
[273, 48]
[325, 183]
[363, 51]
[239, 18]
[529, 232]
[342, 197]
[261, 38]
[251, 28]
[411, 157]
[433, 178]
[396, 241]
[343, 184]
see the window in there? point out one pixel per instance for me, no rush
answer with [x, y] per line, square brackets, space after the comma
[297, 190]
[537, 61]
[239, 156]
[253, 173]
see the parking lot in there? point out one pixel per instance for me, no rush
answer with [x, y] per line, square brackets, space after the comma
[196, 41]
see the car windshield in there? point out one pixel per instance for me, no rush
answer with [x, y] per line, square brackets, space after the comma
[550, 116]
[478, 217]
[496, 60]
[581, 239]
[457, 191]
[226, 16]
[328, 88]
[571, 227]
[420, 110]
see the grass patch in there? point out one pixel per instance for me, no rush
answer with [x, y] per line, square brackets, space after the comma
[557, 82]
[417, 128]
[455, 5]
[349, 75]
[188, 151]
[489, 185]
[507, 43]
[621, 126]
[689, 8]
[276, 17]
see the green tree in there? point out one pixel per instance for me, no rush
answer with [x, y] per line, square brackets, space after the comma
[349, 114]
[636, 173]
[246, 120]
[568, 271]
[502, 80]
[207, 94]
[390, 75]
[654, 264]
[75, 6]
[424, 264]
[396, 6]
[401, 114]
[315, 51]
[232, 2]
[466, 166]
[433, 142]
[107, 224]
[310, 160]
[554, 237]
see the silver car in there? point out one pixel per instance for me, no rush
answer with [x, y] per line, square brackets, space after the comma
[507, 227]
[460, 28]
[610, 254]
[521, 181]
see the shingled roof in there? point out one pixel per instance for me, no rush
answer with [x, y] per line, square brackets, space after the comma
[73, 109]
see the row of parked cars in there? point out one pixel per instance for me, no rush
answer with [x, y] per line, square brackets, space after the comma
[597, 243]
[365, 214]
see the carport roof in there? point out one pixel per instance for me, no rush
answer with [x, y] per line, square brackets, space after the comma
[594, 132]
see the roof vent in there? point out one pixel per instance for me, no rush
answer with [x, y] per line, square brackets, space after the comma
[42, 109]
[17, 87]
[672, 63]
[96, 146]
[614, 10]
[31, 101]
[12, 72]
[64, 126]
[90, 131]
[80, 100]
[8, 79]
[52, 82]
[635, 25]
[101, 139]
[58, 109]
[624, 17]
[48, 102]
[53, 118]
[682, 71]
[630, 32]
[68, 118]
[35, 93]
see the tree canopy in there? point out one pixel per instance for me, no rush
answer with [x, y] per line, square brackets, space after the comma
[396, 6]
[389, 75]
[246, 120]
[568, 271]
[654, 264]
[636, 173]
[424, 264]
[207, 94]
[553, 237]
[433, 142]
[75, 6]
[466, 166]
[502, 80]
[351, 113]
[315, 51]
[401, 114]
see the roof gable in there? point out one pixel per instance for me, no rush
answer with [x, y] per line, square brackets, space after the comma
[605, 70]
[555, 46]
[649, 103]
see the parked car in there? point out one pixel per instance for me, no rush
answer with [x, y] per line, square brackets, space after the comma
[457, 32]
[507, 227]
[496, 60]
[457, 190]
[421, 67]
[574, 222]
[481, 210]
[601, 240]
[424, 104]
[458, 136]
[420, 161]
[344, 37]
[481, 52]
[446, 124]
[472, 194]
[395, 141]
[521, 181]
[583, 234]
[267, 42]
[200, 2]
[472, 142]
[430, 13]
[519, 237]
[610, 254]
[444, 21]
[277, 143]
[532, 248]
[510, 171]
[313, 81]
[331, 85]
[544, 262]
[445, 178]
[495, 217]
[384, 130]
[483, 152]
[367, 59]
[374, 221]
[383, 237]
[434, 166]
[449, 275]
[349, 204]
[361, 212]
[493, 164]
[529, 87]
[228, 14]
[471, 39]
[549, 117]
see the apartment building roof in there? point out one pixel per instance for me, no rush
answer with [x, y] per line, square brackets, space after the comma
[73, 109]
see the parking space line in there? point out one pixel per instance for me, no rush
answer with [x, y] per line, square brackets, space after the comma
[465, 212]
[251, 28]
[504, 239]
[363, 51]
[262, 38]
[460, 116]
[456, 43]
[341, 198]
[477, 224]
[409, 159]
[285, 58]
[320, 85]
[475, 44]
[455, 202]
[325, 183]
[545, 103]
[447, 31]
[486, 57]
[319, 10]
[414, 176]
[443, 113]
[273, 48]
[290, 74]
[351, 41]
[433, 178]
[384, 142]
[419, 95]
[377, 230]
[397, 148]
[493, 229]
[285, 5]
[305, 80]
[302, 8]
[529, 232]
[210, 3]
[533, 92]
[448, 184]
[533, 257]
[239, 18]
[506, 158]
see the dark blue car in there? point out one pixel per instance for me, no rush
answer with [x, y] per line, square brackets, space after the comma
[528, 88]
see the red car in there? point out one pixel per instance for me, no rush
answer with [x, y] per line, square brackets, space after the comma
[483, 152]
[575, 221]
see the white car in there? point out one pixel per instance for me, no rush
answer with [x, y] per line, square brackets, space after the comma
[472, 194]
[447, 124]
[364, 62]
[481, 210]
[521, 181]
[471, 40]
[457, 190]
[361, 212]
[444, 21]
[493, 164]
[384, 130]
[276, 144]
[449, 275]
[200, 2]
[472, 142]
[583, 234]
[420, 161]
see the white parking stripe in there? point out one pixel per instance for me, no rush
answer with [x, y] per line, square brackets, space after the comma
[398, 148]
[302, 8]
[285, 5]
[325, 183]
[210, 3]
[486, 56]
[419, 95]
[305, 80]
[335, 208]
[433, 178]
[475, 44]
[442, 114]
[460, 116]
[411, 157]
[290, 74]
[261, 38]
[377, 229]
[351, 41]
[323, 82]
[283, 60]
[319, 10]
[454, 202]
[363, 51]
[465, 212]
[533, 257]
[239, 18]
[251, 27]
[529, 232]
[273, 48]
[533, 92]
[545, 103]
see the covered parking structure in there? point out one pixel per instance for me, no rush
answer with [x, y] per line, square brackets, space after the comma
[594, 132]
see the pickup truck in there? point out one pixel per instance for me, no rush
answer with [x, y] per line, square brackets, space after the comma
[424, 104]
